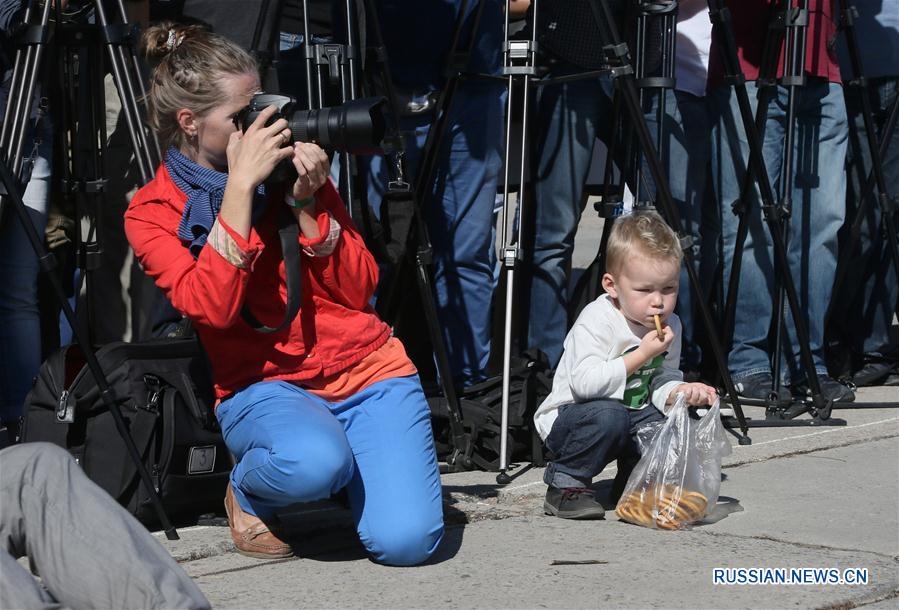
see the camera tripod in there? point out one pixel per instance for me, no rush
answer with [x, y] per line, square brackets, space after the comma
[521, 62]
[78, 51]
[653, 40]
[403, 215]
[886, 200]
[787, 30]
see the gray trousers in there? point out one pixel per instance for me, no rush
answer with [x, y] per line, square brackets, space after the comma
[88, 551]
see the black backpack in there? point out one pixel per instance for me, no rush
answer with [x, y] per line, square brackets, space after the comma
[481, 407]
[164, 390]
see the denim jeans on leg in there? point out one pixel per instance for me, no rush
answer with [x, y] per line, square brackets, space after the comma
[818, 209]
[569, 117]
[459, 213]
[685, 151]
[20, 329]
[589, 435]
[867, 303]
[293, 446]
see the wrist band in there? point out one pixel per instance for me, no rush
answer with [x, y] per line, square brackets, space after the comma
[299, 204]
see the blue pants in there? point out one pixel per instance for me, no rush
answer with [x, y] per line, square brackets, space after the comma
[20, 328]
[459, 214]
[818, 203]
[295, 447]
[588, 436]
[864, 311]
[570, 116]
[685, 150]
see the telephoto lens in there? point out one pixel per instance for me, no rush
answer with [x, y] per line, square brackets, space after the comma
[356, 127]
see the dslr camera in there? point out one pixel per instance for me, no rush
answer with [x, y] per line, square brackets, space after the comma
[356, 127]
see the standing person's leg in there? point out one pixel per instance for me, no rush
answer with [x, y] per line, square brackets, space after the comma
[863, 312]
[460, 223]
[115, 314]
[458, 207]
[819, 205]
[686, 150]
[749, 361]
[567, 121]
[395, 491]
[20, 329]
[89, 552]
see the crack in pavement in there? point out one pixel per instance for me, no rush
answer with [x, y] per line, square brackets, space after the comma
[778, 456]
[804, 545]
[849, 605]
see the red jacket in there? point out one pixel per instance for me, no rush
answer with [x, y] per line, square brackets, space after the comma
[336, 326]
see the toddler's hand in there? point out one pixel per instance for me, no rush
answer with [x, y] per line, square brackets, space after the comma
[696, 394]
[651, 346]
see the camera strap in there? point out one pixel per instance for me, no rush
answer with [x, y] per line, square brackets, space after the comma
[290, 247]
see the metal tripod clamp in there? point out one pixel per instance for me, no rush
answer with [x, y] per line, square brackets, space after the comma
[510, 256]
[520, 51]
[332, 55]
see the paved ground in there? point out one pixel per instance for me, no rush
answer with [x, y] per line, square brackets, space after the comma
[809, 497]
[816, 497]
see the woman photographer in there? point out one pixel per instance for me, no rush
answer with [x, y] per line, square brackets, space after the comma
[332, 400]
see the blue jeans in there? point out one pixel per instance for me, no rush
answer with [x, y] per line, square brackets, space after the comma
[570, 117]
[685, 150]
[589, 435]
[818, 208]
[20, 329]
[292, 447]
[864, 311]
[291, 68]
[459, 214]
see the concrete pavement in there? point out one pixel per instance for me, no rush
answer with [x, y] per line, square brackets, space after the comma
[816, 497]
[809, 497]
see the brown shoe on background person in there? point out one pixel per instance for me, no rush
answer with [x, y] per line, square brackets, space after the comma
[255, 539]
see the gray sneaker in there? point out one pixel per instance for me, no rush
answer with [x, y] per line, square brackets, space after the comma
[572, 503]
[758, 386]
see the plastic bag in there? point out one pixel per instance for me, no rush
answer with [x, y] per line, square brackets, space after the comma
[677, 480]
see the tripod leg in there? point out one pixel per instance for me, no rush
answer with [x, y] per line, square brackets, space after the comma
[876, 151]
[22, 89]
[617, 55]
[47, 263]
[740, 208]
[520, 60]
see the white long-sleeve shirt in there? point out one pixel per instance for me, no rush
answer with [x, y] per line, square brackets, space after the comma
[592, 364]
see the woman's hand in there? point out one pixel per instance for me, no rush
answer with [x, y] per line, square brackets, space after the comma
[313, 167]
[253, 155]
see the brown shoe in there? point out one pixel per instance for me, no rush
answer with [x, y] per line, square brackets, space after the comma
[257, 540]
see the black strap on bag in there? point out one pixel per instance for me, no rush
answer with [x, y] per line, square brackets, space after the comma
[290, 248]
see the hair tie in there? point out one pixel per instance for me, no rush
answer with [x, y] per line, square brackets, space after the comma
[172, 42]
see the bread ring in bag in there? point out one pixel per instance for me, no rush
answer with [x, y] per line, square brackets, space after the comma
[676, 507]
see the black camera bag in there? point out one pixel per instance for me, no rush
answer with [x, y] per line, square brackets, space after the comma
[481, 407]
[164, 390]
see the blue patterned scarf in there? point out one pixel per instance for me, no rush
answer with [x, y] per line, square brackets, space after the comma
[205, 189]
